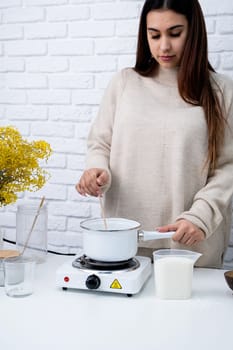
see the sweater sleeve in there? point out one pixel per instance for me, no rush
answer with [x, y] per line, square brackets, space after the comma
[100, 135]
[211, 202]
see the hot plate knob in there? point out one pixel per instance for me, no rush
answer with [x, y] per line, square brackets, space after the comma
[93, 282]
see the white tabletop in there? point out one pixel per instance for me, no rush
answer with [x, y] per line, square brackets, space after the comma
[75, 319]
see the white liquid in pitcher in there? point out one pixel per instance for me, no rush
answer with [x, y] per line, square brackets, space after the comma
[173, 277]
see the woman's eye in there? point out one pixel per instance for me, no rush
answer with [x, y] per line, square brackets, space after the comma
[175, 34]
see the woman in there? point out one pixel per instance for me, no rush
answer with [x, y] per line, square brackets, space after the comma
[161, 147]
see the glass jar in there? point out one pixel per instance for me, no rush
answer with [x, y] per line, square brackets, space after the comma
[1, 273]
[1, 238]
[34, 241]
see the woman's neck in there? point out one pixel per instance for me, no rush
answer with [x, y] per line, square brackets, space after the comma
[167, 76]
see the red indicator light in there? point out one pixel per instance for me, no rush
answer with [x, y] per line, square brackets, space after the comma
[66, 279]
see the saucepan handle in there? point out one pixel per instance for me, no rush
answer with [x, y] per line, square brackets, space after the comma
[151, 235]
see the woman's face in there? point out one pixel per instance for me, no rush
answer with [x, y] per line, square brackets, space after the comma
[166, 34]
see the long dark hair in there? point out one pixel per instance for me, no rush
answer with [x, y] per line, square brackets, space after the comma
[194, 80]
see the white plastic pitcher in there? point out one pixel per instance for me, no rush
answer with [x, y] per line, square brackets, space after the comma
[173, 271]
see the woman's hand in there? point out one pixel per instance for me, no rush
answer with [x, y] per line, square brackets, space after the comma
[91, 181]
[186, 232]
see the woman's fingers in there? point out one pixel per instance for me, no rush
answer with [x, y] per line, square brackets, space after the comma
[167, 228]
[102, 178]
[88, 185]
[185, 232]
[91, 181]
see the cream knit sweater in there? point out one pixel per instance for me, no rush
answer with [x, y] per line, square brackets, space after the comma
[154, 146]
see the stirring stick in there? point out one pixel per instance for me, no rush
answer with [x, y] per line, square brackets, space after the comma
[33, 224]
[103, 213]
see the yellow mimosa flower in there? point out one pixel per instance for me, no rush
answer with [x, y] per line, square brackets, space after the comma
[19, 167]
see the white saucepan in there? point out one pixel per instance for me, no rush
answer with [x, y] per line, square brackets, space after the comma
[118, 241]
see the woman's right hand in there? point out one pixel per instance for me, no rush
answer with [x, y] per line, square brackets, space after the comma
[91, 182]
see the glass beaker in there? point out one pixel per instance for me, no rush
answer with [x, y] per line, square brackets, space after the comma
[19, 276]
[37, 243]
[173, 271]
[6, 253]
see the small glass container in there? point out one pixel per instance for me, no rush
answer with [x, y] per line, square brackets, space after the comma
[19, 276]
[6, 253]
[36, 245]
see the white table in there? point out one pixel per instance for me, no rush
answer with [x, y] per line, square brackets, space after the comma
[82, 320]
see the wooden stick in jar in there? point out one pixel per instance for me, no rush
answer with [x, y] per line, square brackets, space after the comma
[33, 224]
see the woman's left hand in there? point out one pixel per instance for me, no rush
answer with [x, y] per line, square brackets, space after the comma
[185, 232]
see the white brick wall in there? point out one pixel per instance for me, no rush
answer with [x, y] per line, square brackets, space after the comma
[56, 57]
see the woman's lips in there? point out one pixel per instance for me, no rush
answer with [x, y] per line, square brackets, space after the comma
[166, 58]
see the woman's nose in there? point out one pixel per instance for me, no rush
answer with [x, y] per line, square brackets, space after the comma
[165, 44]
